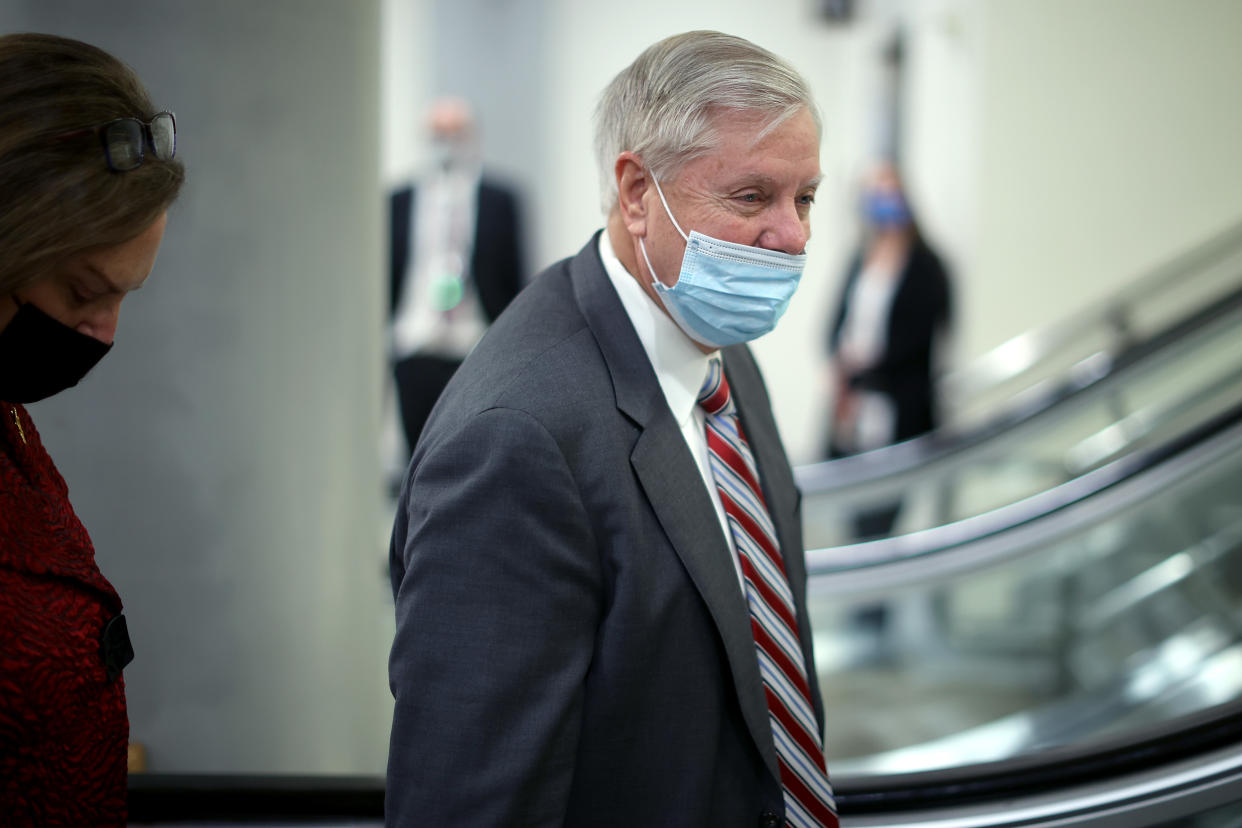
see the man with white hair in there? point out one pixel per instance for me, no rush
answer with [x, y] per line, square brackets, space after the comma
[597, 556]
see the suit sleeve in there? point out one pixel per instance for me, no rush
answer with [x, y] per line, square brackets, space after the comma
[497, 589]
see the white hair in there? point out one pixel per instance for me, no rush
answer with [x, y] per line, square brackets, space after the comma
[664, 106]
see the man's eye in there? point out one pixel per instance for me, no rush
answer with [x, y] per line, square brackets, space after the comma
[750, 198]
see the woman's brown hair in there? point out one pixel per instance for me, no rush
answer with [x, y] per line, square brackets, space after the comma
[58, 198]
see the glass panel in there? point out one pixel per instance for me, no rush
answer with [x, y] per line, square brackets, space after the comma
[1130, 619]
[1226, 816]
[1198, 279]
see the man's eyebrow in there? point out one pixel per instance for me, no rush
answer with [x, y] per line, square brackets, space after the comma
[753, 179]
[765, 180]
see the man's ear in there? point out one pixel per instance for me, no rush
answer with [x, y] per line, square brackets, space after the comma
[632, 184]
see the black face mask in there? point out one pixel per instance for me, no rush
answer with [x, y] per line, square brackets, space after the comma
[40, 357]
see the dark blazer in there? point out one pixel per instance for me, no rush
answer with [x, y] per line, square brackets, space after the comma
[572, 644]
[921, 307]
[496, 265]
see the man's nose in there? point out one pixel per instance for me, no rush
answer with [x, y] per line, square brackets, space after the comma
[789, 232]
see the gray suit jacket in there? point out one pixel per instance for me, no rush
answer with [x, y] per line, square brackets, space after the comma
[572, 644]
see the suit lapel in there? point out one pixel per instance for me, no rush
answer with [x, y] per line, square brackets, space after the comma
[671, 480]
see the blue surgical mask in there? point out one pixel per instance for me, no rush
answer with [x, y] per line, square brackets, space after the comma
[727, 292]
[886, 210]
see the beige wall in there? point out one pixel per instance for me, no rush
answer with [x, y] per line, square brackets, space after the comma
[1110, 136]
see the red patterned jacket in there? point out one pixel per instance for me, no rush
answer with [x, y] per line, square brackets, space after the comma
[63, 725]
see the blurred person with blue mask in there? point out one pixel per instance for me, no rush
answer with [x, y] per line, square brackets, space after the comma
[597, 557]
[886, 339]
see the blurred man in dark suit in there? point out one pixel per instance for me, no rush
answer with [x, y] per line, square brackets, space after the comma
[456, 262]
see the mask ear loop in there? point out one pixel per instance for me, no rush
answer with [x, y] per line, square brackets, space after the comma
[642, 244]
[663, 201]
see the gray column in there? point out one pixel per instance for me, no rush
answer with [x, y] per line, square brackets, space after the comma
[223, 457]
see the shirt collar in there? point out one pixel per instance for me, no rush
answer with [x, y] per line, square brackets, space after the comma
[680, 367]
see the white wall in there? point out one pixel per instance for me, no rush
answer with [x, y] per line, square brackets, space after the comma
[406, 43]
[943, 113]
[1110, 141]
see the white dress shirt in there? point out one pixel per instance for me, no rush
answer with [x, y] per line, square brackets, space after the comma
[442, 226]
[680, 368]
[864, 338]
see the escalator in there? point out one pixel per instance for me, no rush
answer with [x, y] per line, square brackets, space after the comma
[1055, 636]
[1075, 656]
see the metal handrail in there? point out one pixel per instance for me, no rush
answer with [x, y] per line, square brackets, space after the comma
[1183, 766]
[890, 465]
[1015, 529]
[1012, 358]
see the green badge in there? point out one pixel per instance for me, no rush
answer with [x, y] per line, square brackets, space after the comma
[447, 292]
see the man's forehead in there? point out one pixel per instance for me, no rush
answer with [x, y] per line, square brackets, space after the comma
[758, 123]
[749, 134]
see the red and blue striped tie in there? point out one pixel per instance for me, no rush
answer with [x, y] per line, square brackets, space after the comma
[799, 747]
